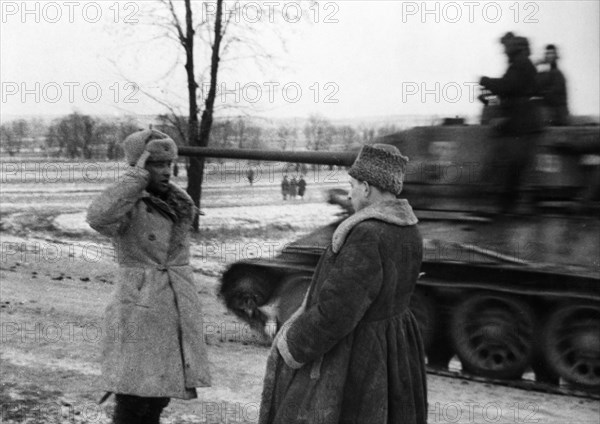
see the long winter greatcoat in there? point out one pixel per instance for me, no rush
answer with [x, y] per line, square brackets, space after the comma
[153, 343]
[353, 353]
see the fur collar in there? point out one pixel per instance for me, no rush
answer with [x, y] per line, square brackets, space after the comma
[181, 206]
[177, 204]
[397, 212]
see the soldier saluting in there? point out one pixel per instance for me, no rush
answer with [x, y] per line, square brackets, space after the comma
[153, 347]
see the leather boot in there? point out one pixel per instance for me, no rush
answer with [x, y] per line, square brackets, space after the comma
[129, 409]
[154, 409]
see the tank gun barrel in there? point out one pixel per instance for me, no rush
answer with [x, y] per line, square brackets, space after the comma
[316, 158]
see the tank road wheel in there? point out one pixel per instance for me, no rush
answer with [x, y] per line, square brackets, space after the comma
[422, 306]
[493, 335]
[572, 344]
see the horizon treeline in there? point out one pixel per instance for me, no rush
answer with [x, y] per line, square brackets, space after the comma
[81, 136]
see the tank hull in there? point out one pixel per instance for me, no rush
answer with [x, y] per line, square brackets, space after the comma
[505, 292]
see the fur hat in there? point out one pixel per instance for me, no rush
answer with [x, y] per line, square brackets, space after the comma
[515, 44]
[507, 37]
[160, 146]
[381, 165]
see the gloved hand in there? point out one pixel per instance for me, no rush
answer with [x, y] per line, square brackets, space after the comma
[141, 162]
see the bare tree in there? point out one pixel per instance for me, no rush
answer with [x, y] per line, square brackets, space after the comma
[318, 132]
[222, 134]
[13, 135]
[286, 136]
[348, 136]
[8, 141]
[254, 135]
[174, 125]
[367, 134]
[240, 129]
[77, 136]
[112, 134]
[198, 132]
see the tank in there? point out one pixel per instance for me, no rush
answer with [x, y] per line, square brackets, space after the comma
[506, 293]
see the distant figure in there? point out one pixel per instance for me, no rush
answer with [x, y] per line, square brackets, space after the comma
[175, 169]
[552, 86]
[293, 188]
[250, 176]
[520, 122]
[285, 187]
[301, 187]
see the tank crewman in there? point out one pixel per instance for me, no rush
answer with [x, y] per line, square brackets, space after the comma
[552, 86]
[352, 353]
[520, 122]
[285, 187]
[301, 187]
[515, 88]
[153, 346]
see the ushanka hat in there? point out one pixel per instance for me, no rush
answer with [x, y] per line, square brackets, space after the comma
[515, 44]
[159, 144]
[381, 165]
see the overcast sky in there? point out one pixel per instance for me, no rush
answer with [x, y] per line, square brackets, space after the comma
[353, 59]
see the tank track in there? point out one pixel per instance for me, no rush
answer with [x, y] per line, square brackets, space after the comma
[522, 384]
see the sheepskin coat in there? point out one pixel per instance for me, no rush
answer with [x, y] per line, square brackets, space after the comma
[353, 353]
[153, 344]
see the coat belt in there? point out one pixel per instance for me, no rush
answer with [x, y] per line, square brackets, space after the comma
[160, 267]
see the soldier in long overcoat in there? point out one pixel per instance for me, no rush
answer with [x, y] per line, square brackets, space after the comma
[153, 345]
[353, 353]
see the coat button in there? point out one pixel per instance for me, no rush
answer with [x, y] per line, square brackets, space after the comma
[151, 237]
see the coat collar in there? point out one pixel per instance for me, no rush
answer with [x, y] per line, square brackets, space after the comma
[180, 206]
[397, 212]
[176, 205]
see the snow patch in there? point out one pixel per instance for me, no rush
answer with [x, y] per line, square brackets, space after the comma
[294, 216]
